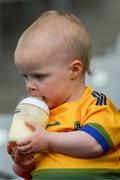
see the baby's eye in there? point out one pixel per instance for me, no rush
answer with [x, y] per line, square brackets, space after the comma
[39, 76]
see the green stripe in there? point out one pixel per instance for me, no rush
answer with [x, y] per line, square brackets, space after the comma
[75, 174]
[103, 132]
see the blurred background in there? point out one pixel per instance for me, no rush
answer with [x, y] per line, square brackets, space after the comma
[102, 20]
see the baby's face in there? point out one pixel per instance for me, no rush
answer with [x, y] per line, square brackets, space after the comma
[45, 77]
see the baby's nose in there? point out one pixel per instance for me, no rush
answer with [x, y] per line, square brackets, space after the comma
[33, 92]
[31, 88]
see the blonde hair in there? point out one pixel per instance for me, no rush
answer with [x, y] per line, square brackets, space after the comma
[73, 34]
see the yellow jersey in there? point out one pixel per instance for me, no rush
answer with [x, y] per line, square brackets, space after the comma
[95, 114]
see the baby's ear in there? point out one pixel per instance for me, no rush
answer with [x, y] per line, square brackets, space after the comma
[76, 69]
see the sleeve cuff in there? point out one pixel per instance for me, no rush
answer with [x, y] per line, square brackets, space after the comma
[98, 136]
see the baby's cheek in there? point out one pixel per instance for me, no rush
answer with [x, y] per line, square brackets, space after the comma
[48, 88]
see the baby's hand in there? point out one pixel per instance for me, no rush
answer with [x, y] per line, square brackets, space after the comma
[37, 142]
[23, 165]
[20, 159]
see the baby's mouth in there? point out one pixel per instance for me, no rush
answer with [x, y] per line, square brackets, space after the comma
[44, 99]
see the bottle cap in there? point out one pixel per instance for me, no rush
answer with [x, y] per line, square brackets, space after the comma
[37, 102]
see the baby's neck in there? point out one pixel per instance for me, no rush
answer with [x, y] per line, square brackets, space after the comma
[77, 94]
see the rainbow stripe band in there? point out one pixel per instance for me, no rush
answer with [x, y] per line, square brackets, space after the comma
[98, 136]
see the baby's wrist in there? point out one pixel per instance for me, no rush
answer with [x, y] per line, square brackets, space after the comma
[51, 137]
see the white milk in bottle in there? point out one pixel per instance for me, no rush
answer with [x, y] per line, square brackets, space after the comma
[29, 109]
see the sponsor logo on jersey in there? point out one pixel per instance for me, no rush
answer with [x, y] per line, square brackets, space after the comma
[100, 98]
[77, 126]
[57, 123]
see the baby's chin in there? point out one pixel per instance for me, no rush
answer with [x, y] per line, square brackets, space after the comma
[53, 105]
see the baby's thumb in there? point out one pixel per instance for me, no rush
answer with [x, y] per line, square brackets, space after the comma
[33, 125]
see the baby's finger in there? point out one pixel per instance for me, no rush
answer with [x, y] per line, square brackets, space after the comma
[24, 148]
[24, 142]
[28, 162]
[29, 152]
[17, 156]
[13, 154]
[33, 125]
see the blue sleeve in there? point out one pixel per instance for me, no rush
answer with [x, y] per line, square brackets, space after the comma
[100, 135]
